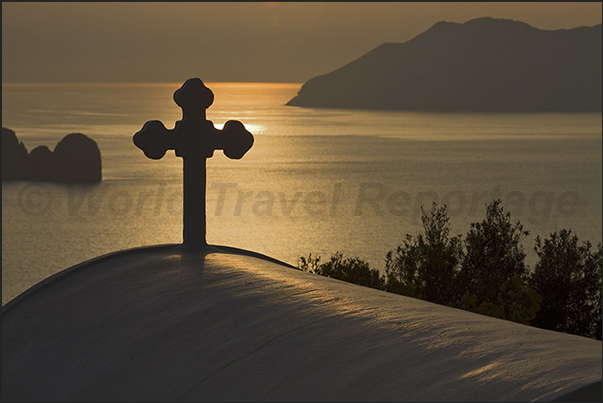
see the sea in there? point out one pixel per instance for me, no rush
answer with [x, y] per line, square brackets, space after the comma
[316, 181]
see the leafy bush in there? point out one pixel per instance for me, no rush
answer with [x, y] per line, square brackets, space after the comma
[568, 276]
[515, 301]
[425, 266]
[309, 264]
[486, 272]
[352, 270]
[493, 254]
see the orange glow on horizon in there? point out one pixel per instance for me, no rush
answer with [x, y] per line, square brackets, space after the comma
[271, 5]
[249, 84]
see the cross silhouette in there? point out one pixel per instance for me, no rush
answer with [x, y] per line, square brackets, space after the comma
[194, 138]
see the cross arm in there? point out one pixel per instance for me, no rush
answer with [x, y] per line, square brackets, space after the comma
[234, 140]
[154, 139]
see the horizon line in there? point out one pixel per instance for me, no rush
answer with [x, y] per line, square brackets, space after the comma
[250, 83]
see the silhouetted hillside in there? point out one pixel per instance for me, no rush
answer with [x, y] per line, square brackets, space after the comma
[75, 159]
[484, 64]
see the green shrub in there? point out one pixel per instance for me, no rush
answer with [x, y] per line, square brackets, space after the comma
[486, 272]
[568, 276]
[493, 254]
[353, 270]
[515, 301]
[425, 266]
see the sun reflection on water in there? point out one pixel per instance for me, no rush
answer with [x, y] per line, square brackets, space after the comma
[267, 196]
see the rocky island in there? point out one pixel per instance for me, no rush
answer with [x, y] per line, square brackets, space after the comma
[486, 64]
[75, 159]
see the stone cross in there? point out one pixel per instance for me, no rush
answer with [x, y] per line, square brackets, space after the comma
[194, 138]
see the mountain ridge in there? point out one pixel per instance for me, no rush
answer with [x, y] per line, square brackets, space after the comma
[485, 64]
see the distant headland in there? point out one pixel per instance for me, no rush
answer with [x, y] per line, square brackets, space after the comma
[75, 159]
[486, 64]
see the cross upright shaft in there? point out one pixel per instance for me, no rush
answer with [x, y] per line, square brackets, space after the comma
[194, 138]
[195, 223]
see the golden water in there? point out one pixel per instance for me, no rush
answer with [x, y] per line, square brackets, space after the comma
[316, 180]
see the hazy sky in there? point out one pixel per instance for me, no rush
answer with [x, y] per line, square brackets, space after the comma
[264, 42]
